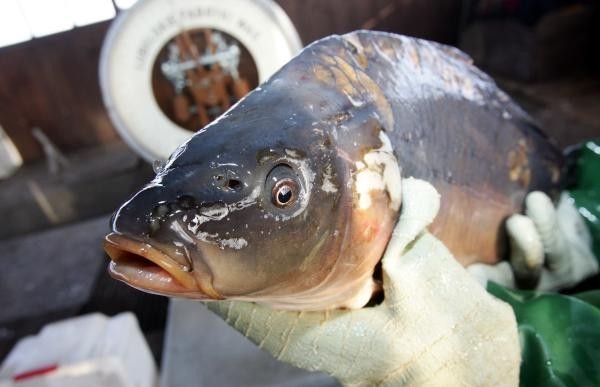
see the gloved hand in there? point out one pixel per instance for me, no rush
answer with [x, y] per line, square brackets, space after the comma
[436, 326]
[550, 247]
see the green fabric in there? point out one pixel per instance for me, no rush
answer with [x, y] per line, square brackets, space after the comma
[586, 193]
[560, 336]
[591, 297]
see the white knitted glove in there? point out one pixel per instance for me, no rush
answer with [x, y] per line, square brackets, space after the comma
[436, 326]
[550, 247]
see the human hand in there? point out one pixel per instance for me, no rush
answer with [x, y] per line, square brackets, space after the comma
[550, 247]
[435, 326]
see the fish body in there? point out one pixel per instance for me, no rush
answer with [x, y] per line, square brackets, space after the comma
[291, 196]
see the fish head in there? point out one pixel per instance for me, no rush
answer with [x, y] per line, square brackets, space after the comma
[276, 201]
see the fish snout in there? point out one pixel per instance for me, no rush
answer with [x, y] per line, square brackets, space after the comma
[150, 210]
[151, 249]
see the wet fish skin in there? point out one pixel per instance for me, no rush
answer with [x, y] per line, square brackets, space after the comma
[318, 251]
[209, 213]
[452, 126]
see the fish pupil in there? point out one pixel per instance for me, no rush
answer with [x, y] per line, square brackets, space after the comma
[284, 195]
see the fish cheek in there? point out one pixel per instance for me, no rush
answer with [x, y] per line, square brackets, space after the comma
[284, 259]
[269, 253]
[235, 272]
[265, 266]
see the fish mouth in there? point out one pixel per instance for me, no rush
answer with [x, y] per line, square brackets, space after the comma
[147, 268]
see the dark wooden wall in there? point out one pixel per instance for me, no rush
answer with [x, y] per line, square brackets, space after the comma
[52, 82]
[431, 19]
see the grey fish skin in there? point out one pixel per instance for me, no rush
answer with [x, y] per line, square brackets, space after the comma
[454, 128]
[329, 131]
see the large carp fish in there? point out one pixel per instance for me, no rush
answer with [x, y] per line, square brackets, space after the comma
[291, 196]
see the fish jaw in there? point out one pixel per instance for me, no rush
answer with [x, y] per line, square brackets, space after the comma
[147, 268]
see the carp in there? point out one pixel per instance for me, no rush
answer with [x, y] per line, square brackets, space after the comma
[290, 197]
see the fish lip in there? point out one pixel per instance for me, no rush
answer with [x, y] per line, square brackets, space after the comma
[173, 280]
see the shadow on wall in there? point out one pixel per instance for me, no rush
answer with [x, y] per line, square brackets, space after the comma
[61, 95]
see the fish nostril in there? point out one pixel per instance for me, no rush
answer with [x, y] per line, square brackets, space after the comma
[234, 184]
[186, 202]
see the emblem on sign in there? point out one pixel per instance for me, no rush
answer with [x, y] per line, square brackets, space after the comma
[199, 74]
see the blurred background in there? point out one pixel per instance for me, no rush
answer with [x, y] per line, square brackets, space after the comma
[65, 168]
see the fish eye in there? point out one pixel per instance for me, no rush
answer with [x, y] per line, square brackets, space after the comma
[283, 185]
[284, 193]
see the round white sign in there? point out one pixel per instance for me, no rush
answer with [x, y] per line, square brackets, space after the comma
[169, 67]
